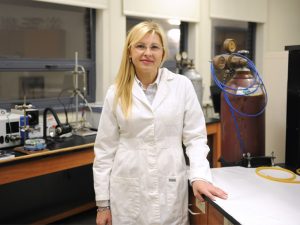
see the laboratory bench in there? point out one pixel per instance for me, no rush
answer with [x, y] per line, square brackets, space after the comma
[49, 185]
[252, 200]
[60, 154]
[56, 183]
[213, 128]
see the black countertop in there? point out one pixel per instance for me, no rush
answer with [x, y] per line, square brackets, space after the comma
[212, 120]
[53, 145]
[74, 140]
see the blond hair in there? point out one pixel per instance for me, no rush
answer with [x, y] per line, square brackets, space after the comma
[125, 77]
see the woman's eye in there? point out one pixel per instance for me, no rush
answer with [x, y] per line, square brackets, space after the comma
[155, 47]
[140, 46]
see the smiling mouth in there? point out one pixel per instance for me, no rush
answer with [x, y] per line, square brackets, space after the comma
[146, 61]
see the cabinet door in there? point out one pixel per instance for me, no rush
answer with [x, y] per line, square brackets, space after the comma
[197, 210]
[214, 216]
[292, 155]
[203, 213]
[198, 216]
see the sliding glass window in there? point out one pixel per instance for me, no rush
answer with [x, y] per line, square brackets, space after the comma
[39, 43]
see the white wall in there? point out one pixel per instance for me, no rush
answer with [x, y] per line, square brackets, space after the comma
[282, 29]
[278, 25]
[98, 4]
[187, 10]
[110, 37]
[243, 10]
[276, 76]
[283, 24]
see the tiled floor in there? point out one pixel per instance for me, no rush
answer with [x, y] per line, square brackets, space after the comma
[86, 218]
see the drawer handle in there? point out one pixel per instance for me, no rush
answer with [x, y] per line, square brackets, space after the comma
[193, 213]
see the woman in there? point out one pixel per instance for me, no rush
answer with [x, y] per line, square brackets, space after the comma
[140, 174]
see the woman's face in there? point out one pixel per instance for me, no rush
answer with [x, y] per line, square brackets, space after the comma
[147, 54]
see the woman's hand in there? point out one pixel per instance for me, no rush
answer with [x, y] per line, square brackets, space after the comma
[103, 217]
[202, 187]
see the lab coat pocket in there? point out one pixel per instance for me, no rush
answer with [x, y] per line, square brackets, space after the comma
[176, 194]
[125, 198]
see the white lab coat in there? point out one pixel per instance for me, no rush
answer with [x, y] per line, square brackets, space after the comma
[139, 162]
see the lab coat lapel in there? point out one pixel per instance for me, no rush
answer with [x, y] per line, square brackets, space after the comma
[139, 94]
[162, 90]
